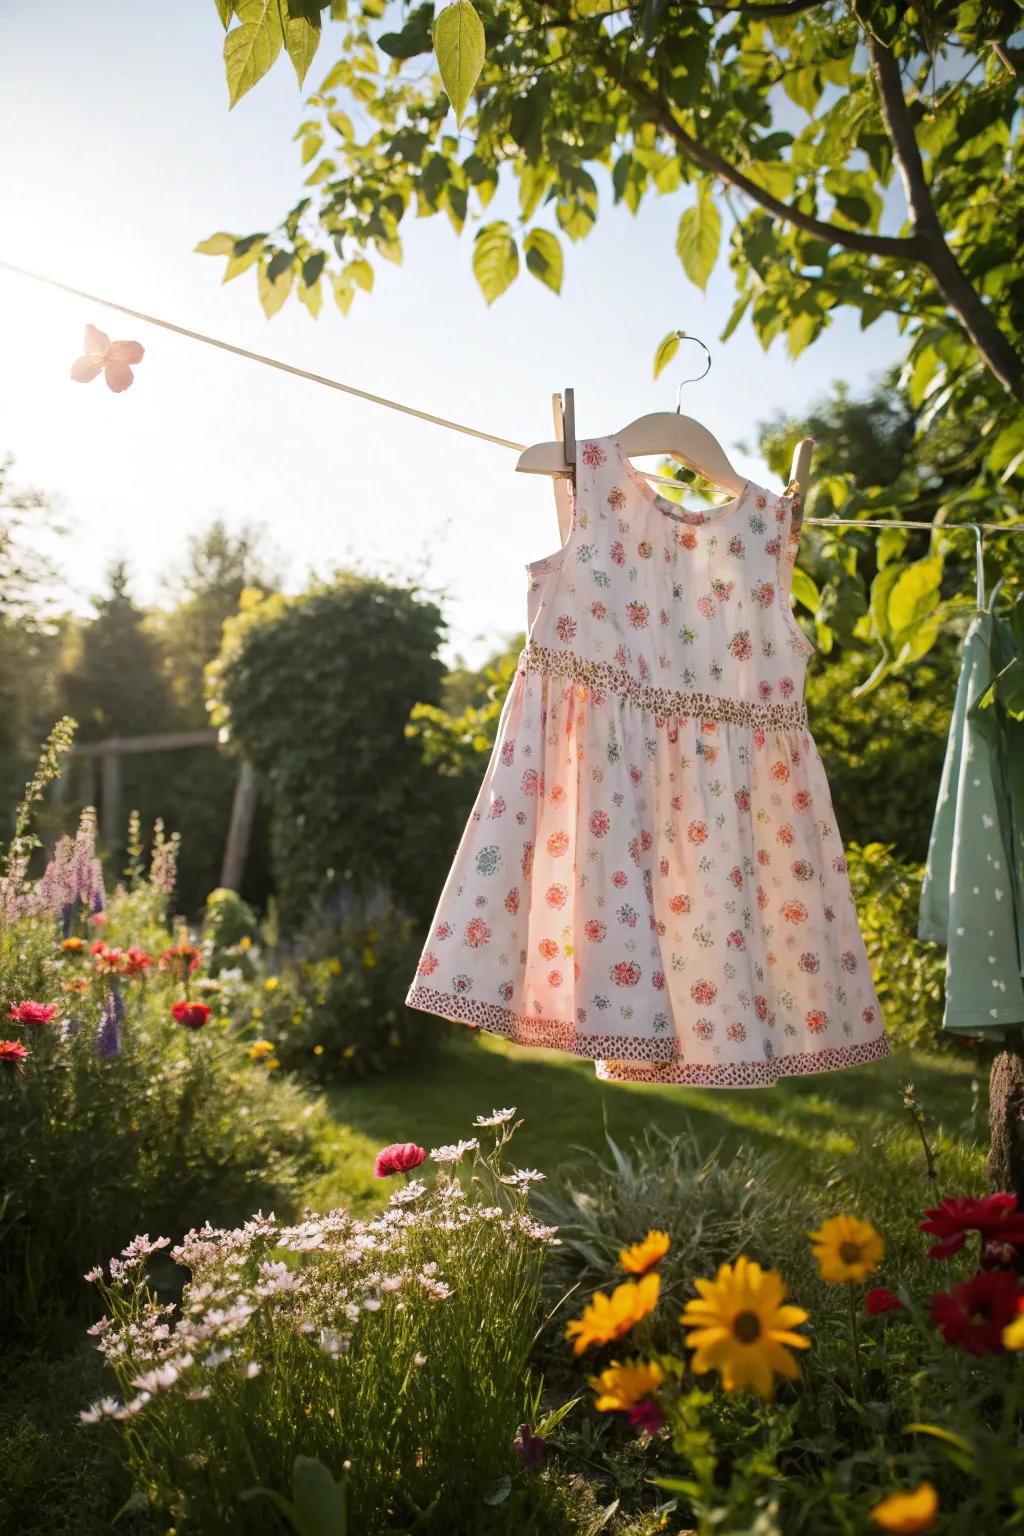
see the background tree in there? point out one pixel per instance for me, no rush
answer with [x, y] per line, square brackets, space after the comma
[204, 590]
[113, 683]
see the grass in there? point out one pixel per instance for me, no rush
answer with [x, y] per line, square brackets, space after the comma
[808, 1123]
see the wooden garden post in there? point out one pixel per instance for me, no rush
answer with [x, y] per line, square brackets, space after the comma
[239, 832]
[1006, 1116]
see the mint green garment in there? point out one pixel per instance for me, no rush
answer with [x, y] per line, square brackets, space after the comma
[972, 900]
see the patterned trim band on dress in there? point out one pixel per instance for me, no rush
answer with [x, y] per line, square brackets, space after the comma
[643, 1059]
[668, 703]
[745, 1074]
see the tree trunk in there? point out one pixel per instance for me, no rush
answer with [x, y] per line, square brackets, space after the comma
[1006, 1117]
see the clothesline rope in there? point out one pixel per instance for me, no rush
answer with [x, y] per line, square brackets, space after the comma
[269, 362]
[411, 410]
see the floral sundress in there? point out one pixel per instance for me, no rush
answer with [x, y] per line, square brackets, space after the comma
[652, 876]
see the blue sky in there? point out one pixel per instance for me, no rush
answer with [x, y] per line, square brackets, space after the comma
[118, 154]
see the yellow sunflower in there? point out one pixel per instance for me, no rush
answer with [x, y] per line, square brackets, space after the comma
[847, 1249]
[742, 1329]
[621, 1387]
[908, 1513]
[640, 1257]
[609, 1317]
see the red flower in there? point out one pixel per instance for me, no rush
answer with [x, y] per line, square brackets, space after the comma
[647, 1415]
[975, 1313]
[135, 961]
[107, 960]
[399, 1157]
[180, 958]
[996, 1217]
[12, 1055]
[880, 1299]
[36, 1014]
[192, 1015]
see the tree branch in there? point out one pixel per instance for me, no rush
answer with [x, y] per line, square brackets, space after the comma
[891, 246]
[765, 12]
[952, 282]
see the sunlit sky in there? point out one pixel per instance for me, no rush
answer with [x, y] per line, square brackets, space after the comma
[118, 153]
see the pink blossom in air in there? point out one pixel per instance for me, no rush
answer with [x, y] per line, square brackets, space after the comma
[111, 358]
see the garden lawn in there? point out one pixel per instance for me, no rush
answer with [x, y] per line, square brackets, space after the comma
[808, 1123]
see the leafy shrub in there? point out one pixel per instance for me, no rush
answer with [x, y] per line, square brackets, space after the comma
[883, 753]
[316, 691]
[394, 1351]
[227, 920]
[909, 975]
[112, 1112]
[335, 1005]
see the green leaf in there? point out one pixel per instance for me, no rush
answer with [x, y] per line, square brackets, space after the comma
[301, 36]
[281, 261]
[925, 364]
[891, 544]
[917, 640]
[414, 37]
[361, 274]
[312, 267]
[216, 245]
[344, 292]
[459, 46]
[946, 1435]
[700, 232]
[800, 332]
[805, 589]
[312, 144]
[881, 588]
[225, 10]
[323, 172]
[247, 252]
[310, 294]
[739, 309]
[534, 181]
[544, 257]
[667, 349]
[803, 86]
[251, 48]
[341, 123]
[915, 592]
[495, 260]
[274, 290]
[319, 1501]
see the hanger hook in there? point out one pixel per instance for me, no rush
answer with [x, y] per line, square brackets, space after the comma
[682, 336]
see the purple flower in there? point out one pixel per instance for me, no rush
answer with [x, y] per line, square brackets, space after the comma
[529, 1446]
[108, 1040]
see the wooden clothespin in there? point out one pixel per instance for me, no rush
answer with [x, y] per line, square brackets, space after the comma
[563, 414]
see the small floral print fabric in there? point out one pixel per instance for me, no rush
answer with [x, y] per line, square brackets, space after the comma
[652, 876]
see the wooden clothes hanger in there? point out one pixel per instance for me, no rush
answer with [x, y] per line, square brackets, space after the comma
[668, 434]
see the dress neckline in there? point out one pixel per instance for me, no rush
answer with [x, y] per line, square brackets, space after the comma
[693, 519]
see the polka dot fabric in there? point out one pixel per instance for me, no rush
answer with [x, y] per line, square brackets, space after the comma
[652, 876]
